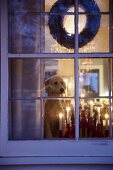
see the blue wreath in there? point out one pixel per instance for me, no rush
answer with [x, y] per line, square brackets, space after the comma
[55, 22]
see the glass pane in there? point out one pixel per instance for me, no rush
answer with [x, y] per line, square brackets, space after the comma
[59, 118]
[91, 36]
[59, 77]
[103, 5]
[112, 116]
[24, 5]
[111, 36]
[24, 33]
[59, 34]
[94, 77]
[94, 118]
[58, 6]
[24, 78]
[25, 119]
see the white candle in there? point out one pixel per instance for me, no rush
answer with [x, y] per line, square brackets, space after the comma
[106, 117]
[98, 114]
[91, 108]
[60, 121]
[68, 114]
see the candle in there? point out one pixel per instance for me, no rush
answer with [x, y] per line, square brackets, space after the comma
[91, 108]
[106, 117]
[60, 121]
[68, 113]
[98, 114]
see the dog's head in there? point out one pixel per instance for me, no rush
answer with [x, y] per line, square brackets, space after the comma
[55, 86]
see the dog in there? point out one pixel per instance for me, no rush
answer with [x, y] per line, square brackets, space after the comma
[55, 87]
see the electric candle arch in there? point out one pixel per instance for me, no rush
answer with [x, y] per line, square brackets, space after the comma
[86, 35]
[94, 119]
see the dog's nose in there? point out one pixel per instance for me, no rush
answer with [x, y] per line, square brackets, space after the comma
[62, 90]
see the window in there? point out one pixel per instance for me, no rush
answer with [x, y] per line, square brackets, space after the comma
[58, 68]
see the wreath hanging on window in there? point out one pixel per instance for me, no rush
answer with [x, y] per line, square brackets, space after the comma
[57, 30]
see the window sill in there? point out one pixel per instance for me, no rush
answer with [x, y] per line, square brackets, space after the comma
[56, 160]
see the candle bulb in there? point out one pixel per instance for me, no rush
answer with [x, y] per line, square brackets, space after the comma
[106, 117]
[60, 121]
[68, 114]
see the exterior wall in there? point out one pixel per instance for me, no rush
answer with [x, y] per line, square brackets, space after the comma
[58, 167]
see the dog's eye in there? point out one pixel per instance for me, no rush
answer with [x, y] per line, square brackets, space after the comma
[55, 82]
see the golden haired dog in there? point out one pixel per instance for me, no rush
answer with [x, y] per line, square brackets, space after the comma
[55, 87]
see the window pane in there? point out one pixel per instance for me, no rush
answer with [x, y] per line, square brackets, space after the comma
[59, 77]
[24, 5]
[59, 118]
[103, 5]
[59, 34]
[49, 4]
[89, 43]
[24, 78]
[24, 33]
[94, 118]
[94, 77]
[25, 119]
[111, 28]
[112, 115]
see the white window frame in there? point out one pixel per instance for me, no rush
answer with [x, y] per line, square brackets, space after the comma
[79, 151]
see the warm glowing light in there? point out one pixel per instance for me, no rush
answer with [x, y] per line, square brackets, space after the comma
[69, 85]
[60, 121]
[106, 116]
[65, 80]
[69, 22]
[60, 115]
[68, 108]
[82, 95]
[91, 102]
